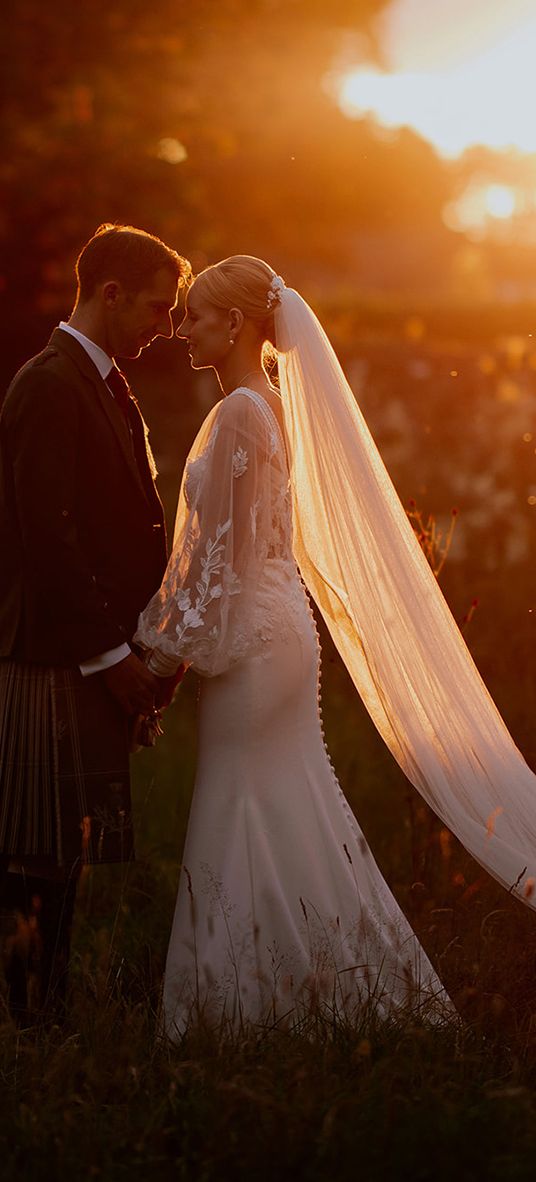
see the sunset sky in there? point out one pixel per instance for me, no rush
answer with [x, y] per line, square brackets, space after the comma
[460, 73]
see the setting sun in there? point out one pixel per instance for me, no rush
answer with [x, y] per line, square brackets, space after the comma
[500, 201]
[487, 98]
[481, 207]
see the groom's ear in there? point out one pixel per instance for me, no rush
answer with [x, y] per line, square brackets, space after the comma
[111, 292]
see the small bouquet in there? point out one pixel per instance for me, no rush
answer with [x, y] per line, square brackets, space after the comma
[145, 730]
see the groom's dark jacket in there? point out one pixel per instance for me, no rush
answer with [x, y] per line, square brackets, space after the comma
[82, 539]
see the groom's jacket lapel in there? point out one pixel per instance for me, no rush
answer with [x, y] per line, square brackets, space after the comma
[65, 343]
[83, 542]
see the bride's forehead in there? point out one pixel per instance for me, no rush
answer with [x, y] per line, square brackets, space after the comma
[197, 302]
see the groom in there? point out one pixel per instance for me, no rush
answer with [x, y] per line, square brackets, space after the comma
[83, 549]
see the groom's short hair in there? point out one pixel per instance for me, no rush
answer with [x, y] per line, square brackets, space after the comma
[127, 255]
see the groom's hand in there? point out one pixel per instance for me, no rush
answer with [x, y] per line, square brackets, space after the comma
[132, 685]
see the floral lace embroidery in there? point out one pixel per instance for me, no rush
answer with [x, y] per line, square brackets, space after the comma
[211, 565]
[240, 462]
[203, 627]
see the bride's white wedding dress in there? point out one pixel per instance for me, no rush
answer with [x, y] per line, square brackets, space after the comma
[281, 905]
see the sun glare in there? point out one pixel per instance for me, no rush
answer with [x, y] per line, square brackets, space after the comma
[481, 207]
[500, 201]
[488, 100]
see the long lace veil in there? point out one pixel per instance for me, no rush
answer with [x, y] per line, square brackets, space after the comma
[363, 565]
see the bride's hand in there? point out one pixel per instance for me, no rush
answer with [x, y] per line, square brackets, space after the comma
[166, 687]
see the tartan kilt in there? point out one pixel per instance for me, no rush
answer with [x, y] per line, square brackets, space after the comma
[64, 767]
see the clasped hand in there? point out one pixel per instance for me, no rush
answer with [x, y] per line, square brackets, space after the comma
[136, 689]
[132, 685]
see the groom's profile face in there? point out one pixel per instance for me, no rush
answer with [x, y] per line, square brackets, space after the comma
[136, 318]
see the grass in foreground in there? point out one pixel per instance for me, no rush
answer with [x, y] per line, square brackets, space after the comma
[102, 1098]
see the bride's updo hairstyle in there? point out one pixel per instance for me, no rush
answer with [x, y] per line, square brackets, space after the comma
[244, 282]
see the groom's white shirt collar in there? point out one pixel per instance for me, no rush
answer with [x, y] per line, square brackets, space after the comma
[99, 358]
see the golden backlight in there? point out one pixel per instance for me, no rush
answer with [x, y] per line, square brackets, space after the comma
[488, 98]
[481, 205]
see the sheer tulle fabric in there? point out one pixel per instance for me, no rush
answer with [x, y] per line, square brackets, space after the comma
[229, 522]
[365, 569]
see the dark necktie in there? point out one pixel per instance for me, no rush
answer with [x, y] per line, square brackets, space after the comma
[119, 387]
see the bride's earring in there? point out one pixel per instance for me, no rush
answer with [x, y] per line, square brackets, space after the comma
[231, 342]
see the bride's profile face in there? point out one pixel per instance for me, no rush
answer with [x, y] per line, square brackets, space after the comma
[206, 330]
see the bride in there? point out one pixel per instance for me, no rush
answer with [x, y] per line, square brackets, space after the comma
[281, 906]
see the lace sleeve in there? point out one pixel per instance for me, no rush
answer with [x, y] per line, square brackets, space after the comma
[206, 597]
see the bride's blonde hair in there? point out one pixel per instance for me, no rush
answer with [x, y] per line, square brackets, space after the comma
[242, 281]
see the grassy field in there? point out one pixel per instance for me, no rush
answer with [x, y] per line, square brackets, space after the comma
[103, 1098]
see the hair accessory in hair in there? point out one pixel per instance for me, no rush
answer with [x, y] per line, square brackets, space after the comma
[277, 286]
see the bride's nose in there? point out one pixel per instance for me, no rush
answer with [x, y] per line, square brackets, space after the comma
[179, 331]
